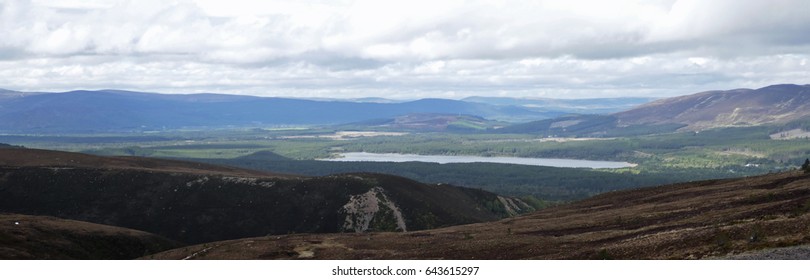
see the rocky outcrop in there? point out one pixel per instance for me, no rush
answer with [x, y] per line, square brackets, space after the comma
[374, 211]
[514, 206]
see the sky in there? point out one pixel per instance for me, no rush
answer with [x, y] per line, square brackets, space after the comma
[404, 49]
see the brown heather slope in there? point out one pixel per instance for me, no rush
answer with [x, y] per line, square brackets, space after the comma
[21, 157]
[43, 238]
[738, 107]
[683, 221]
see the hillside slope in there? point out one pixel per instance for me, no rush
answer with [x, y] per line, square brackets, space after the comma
[682, 221]
[173, 199]
[777, 104]
[425, 122]
[42, 238]
[739, 107]
[21, 157]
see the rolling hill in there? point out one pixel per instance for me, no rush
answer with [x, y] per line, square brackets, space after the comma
[771, 105]
[427, 122]
[588, 126]
[705, 219]
[193, 202]
[738, 107]
[124, 111]
[567, 106]
[45, 238]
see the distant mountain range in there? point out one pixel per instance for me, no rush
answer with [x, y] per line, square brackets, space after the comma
[429, 122]
[122, 111]
[109, 110]
[578, 106]
[771, 105]
[738, 107]
[125, 111]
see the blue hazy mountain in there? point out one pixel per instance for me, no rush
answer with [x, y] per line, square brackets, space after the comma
[115, 110]
[578, 106]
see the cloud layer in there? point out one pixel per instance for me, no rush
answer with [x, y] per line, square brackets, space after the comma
[404, 49]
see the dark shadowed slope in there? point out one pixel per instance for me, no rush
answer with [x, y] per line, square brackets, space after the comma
[175, 200]
[42, 238]
[682, 221]
[20, 157]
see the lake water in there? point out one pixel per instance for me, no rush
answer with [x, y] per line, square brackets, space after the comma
[555, 162]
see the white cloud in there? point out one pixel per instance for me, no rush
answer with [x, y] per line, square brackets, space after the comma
[402, 48]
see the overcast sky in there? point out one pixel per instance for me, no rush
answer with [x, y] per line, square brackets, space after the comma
[404, 49]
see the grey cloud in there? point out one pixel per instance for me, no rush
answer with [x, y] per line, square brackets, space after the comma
[475, 31]
[441, 49]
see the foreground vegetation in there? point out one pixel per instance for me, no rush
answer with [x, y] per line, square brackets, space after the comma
[706, 219]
